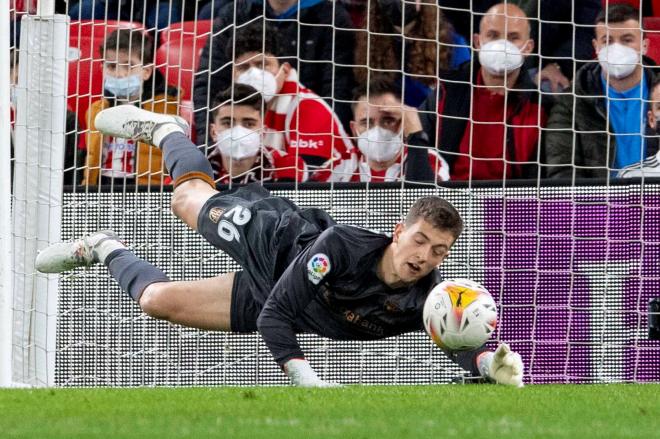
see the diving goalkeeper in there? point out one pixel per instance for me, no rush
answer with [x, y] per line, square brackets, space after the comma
[302, 272]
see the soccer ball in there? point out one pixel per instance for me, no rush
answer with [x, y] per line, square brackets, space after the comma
[459, 315]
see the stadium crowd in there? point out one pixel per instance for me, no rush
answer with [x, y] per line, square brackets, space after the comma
[371, 91]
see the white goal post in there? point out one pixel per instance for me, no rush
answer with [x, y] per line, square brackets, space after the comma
[37, 191]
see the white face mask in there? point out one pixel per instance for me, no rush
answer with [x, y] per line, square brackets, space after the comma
[262, 80]
[617, 60]
[239, 143]
[500, 56]
[379, 144]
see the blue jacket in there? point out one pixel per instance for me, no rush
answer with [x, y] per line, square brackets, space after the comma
[578, 130]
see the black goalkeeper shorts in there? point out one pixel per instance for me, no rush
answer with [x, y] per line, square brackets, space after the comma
[244, 308]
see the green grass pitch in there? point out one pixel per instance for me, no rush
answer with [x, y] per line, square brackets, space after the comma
[445, 411]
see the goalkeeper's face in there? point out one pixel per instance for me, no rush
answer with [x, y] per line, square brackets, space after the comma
[417, 249]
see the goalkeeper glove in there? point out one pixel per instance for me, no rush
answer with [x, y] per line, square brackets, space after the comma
[302, 374]
[502, 366]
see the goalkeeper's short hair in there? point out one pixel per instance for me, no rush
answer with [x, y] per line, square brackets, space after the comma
[438, 212]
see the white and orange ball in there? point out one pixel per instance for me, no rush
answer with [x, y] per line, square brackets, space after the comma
[459, 314]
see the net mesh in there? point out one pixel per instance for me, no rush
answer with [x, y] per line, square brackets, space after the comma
[572, 267]
[573, 319]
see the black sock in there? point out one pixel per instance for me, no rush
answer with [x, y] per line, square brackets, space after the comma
[182, 158]
[132, 273]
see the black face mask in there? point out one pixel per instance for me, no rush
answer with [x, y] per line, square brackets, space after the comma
[393, 9]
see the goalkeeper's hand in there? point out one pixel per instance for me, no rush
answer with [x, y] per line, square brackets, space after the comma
[502, 366]
[301, 374]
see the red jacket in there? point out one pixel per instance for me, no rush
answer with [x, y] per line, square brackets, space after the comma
[525, 118]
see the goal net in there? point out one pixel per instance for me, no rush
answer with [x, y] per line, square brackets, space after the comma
[571, 262]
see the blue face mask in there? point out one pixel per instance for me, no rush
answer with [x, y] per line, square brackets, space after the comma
[129, 86]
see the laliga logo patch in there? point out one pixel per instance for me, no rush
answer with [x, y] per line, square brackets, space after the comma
[317, 268]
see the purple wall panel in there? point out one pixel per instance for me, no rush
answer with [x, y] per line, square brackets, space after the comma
[573, 277]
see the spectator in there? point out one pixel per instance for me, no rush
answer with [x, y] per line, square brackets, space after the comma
[490, 115]
[154, 14]
[419, 35]
[597, 131]
[315, 34]
[128, 78]
[237, 130]
[390, 137]
[650, 167]
[298, 121]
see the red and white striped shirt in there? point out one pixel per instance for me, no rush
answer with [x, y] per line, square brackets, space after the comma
[301, 123]
[394, 172]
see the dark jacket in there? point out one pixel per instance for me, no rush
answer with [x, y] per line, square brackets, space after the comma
[317, 43]
[582, 138]
[454, 99]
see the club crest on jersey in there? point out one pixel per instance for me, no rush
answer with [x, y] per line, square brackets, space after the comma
[215, 214]
[318, 267]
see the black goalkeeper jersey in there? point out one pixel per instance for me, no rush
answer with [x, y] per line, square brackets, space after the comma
[331, 289]
[304, 273]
